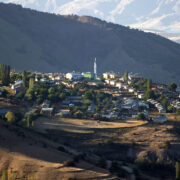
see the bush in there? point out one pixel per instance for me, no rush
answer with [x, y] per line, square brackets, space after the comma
[141, 116]
[60, 148]
[102, 163]
[114, 167]
[10, 116]
[69, 163]
[178, 112]
[167, 145]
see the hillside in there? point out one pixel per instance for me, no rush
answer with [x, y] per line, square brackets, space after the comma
[45, 42]
[27, 155]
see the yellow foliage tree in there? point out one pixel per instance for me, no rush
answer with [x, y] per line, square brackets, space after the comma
[10, 116]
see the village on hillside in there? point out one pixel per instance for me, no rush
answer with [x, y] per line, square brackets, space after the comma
[122, 122]
[109, 96]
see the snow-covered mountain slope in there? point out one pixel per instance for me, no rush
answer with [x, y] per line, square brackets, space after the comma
[163, 15]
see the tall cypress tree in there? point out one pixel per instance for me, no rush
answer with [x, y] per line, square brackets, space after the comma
[149, 84]
[25, 79]
[126, 76]
[31, 83]
[177, 170]
[5, 74]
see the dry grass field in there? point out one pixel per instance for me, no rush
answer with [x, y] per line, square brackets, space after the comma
[82, 125]
[27, 155]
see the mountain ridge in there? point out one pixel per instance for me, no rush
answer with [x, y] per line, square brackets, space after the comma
[155, 14]
[48, 42]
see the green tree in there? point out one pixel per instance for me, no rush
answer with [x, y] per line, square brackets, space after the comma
[5, 74]
[39, 99]
[141, 116]
[170, 108]
[177, 171]
[10, 116]
[149, 84]
[31, 83]
[178, 112]
[172, 86]
[51, 90]
[29, 94]
[102, 163]
[126, 76]
[4, 175]
[149, 94]
[20, 95]
[25, 79]
[165, 103]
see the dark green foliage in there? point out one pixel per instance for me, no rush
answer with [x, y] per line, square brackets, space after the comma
[114, 167]
[150, 94]
[141, 116]
[25, 79]
[178, 112]
[172, 86]
[156, 168]
[20, 95]
[31, 83]
[102, 163]
[69, 163]
[177, 171]
[165, 103]
[149, 84]
[167, 145]
[5, 74]
[126, 76]
[4, 93]
[170, 109]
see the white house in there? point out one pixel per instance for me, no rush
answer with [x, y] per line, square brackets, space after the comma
[112, 82]
[140, 96]
[131, 90]
[17, 84]
[110, 75]
[160, 119]
[74, 75]
[106, 75]
[107, 81]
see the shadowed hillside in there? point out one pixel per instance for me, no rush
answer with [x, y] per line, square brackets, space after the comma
[47, 42]
[27, 155]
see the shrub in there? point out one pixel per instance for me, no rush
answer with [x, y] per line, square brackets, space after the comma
[114, 167]
[10, 116]
[177, 170]
[69, 163]
[141, 116]
[167, 145]
[60, 148]
[178, 111]
[102, 163]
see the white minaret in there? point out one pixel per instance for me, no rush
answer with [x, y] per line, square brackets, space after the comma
[95, 69]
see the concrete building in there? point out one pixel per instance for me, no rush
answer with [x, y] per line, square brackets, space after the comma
[74, 76]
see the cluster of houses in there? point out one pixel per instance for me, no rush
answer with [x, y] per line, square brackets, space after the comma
[175, 104]
[131, 99]
[159, 107]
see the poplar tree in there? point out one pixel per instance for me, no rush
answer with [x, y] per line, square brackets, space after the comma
[126, 76]
[25, 79]
[149, 84]
[177, 171]
[31, 83]
[5, 74]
